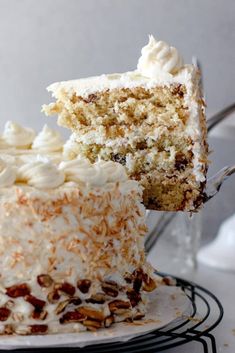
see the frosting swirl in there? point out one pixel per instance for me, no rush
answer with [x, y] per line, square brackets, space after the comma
[42, 175]
[48, 140]
[157, 57]
[114, 171]
[7, 174]
[81, 170]
[18, 136]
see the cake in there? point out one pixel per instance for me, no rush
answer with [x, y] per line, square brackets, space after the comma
[71, 247]
[151, 120]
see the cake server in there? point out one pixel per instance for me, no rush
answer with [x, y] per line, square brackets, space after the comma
[212, 188]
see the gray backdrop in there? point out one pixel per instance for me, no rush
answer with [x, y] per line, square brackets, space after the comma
[51, 40]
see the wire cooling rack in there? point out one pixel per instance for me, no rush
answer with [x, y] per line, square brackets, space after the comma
[207, 312]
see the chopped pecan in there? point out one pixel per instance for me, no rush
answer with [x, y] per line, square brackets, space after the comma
[66, 288]
[53, 296]
[91, 98]
[98, 298]
[72, 316]
[178, 90]
[38, 329]
[4, 313]
[134, 297]
[119, 158]
[91, 313]
[84, 285]
[92, 324]
[108, 321]
[110, 288]
[39, 314]
[44, 280]
[118, 306]
[180, 161]
[18, 290]
[37, 303]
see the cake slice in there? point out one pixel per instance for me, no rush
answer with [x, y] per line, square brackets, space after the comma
[71, 247]
[151, 120]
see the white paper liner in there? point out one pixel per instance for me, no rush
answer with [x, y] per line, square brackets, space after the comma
[167, 303]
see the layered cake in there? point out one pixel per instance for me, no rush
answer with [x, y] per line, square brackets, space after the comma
[71, 247]
[150, 120]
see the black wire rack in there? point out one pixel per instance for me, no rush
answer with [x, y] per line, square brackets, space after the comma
[206, 314]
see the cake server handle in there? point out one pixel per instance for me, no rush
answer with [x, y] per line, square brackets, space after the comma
[213, 186]
[214, 183]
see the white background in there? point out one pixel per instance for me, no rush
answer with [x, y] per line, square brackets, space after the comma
[52, 40]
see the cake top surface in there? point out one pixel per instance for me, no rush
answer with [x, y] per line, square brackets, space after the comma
[16, 138]
[42, 174]
[159, 64]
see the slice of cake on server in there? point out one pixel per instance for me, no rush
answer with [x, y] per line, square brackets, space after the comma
[150, 120]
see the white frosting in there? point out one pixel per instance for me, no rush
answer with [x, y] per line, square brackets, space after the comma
[158, 57]
[43, 175]
[114, 171]
[18, 136]
[81, 170]
[3, 144]
[48, 140]
[7, 174]
[96, 174]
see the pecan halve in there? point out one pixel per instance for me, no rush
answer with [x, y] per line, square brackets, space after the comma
[108, 321]
[72, 316]
[4, 313]
[65, 288]
[110, 288]
[38, 329]
[61, 306]
[92, 324]
[84, 285]
[138, 279]
[98, 298]
[134, 297]
[39, 314]
[18, 290]
[148, 284]
[91, 313]
[116, 306]
[37, 303]
[45, 280]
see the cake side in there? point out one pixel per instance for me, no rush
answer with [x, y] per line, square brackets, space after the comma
[155, 126]
[73, 259]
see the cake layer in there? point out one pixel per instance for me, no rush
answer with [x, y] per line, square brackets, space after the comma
[71, 247]
[154, 125]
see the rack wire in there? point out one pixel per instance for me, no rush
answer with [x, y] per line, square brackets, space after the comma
[207, 312]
